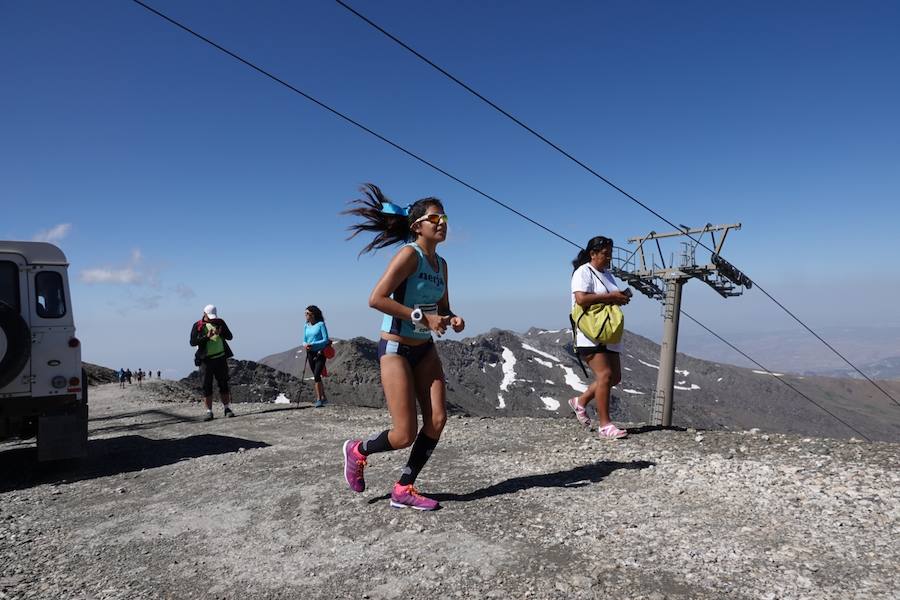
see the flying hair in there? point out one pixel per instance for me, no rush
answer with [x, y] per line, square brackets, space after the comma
[389, 228]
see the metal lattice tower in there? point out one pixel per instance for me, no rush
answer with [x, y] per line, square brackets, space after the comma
[665, 283]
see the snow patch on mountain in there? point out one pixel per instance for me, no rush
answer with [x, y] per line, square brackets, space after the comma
[767, 373]
[541, 352]
[550, 403]
[572, 380]
[509, 374]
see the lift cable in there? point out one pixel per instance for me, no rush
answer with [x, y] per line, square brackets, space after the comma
[593, 172]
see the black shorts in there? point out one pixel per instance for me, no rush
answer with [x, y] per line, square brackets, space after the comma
[586, 352]
[218, 368]
[412, 354]
[316, 361]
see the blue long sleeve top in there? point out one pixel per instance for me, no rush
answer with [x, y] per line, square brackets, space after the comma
[315, 335]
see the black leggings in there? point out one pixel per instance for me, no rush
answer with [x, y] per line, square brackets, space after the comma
[316, 361]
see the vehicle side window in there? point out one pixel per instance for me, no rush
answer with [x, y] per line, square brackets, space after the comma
[9, 284]
[49, 295]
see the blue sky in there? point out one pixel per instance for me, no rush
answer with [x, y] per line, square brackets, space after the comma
[173, 176]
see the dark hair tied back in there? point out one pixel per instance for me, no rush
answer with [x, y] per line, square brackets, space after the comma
[595, 243]
[388, 228]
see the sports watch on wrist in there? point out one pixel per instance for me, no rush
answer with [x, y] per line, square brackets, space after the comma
[416, 315]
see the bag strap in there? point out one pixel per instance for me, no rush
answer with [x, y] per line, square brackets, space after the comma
[575, 343]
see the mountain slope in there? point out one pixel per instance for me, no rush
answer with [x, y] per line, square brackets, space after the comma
[503, 373]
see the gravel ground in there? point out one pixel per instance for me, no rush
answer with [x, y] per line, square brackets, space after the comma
[167, 506]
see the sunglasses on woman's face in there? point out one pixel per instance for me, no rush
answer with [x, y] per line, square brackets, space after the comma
[433, 218]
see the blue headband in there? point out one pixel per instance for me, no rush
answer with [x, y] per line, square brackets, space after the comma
[389, 208]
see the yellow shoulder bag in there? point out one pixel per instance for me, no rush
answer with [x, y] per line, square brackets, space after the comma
[603, 323]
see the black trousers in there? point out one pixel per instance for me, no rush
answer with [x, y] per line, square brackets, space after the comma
[316, 361]
[215, 368]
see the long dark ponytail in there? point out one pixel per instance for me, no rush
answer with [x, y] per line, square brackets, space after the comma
[594, 244]
[389, 228]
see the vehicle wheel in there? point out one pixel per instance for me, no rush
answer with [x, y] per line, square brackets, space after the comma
[14, 332]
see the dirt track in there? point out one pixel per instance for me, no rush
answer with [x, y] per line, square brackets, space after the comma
[167, 506]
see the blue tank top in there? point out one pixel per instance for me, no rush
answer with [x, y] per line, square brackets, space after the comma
[423, 289]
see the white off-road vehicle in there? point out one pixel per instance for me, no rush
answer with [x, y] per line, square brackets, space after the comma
[43, 387]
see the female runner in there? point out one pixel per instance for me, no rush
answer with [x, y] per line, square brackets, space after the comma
[412, 294]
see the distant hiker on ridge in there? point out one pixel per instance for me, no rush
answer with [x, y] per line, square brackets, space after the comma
[315, 340]
[209, 334]
[413, 295]
[592, 283]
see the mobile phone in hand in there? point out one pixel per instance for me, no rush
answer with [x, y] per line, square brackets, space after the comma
[627, 292]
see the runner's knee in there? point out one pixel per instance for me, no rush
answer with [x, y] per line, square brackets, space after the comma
[437, 422]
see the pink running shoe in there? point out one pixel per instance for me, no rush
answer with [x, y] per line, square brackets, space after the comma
[580, 412]
[406, 496]
[611, 432]
[354, 465]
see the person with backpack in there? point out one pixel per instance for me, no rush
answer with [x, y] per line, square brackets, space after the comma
[593, 284]
[315, 340]
[210, 335]
[413, 295]
[121, 376]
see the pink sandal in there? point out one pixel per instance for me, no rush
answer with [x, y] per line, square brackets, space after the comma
[611, 432]
[580, 413]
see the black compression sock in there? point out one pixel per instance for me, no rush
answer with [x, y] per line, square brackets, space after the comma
[376, 443]
[421, 451]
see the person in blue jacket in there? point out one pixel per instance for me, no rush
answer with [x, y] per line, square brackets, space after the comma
[315, 339]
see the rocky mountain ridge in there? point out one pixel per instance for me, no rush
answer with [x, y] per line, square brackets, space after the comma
[504, 373]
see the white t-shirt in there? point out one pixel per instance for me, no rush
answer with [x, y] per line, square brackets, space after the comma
[590, 280]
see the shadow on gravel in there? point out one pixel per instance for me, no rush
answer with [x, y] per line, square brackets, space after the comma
[166, 418]
[112, 456]
[577, 477]
[652, 428]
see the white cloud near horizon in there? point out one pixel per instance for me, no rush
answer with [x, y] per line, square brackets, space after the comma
[54, 234]
[127, 275]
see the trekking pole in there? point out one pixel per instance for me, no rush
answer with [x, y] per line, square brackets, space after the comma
[302, 377]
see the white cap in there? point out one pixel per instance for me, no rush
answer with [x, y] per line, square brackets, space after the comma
[210, 311]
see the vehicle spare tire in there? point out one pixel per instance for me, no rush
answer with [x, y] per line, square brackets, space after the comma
[14, 330]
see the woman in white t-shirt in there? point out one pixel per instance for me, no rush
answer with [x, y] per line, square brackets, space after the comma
[592, 283]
